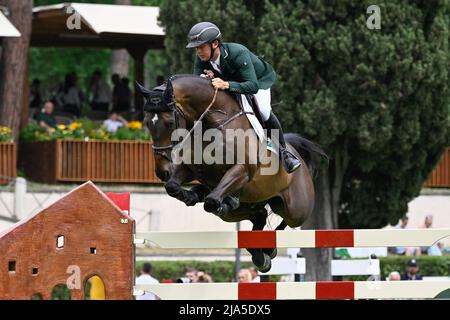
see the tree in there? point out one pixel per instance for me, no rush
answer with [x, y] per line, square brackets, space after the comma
[13, 65]
[378, 100]
[235, 18]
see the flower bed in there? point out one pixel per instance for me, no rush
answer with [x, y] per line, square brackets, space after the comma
[82, 151]
[7, 156]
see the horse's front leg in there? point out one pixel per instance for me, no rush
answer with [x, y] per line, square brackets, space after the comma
[232, 182]
[182, 174]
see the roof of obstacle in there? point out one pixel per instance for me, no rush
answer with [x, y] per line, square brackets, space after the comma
[7, 29]
[96, 25]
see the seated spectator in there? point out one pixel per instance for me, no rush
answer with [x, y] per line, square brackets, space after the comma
[114, 122]
[434, 250]
[394, 276]
[204, 277]
[244, 275]
[412, 270]
[191, 274]
[146, 278]
[46, 119]
[255, 275]
[401, 225]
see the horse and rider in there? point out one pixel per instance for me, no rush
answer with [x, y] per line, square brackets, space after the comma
[240, 190]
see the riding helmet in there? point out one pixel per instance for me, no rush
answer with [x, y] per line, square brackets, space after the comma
[203, 32]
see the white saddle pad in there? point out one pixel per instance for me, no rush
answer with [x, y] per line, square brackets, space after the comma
[256, 125]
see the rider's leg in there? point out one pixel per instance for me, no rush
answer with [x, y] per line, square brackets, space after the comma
[290, 161]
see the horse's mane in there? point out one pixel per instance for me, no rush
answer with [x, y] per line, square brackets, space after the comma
[187, 75]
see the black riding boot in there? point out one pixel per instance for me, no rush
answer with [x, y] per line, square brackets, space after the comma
[290, 161]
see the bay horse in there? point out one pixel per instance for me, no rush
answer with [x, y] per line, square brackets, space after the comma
[233, 191]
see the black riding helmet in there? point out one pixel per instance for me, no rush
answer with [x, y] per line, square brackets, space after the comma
[203, 32]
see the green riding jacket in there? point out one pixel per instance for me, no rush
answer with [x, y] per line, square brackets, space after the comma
[246, 72]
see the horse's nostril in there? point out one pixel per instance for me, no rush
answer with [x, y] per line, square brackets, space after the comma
[166, 175]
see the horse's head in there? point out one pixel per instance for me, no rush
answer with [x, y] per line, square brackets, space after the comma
[161, 120]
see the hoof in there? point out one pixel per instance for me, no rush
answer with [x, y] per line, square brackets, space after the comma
[211, 205]
[191, 199]
[172, 189]
[271, 252]
[263, 266]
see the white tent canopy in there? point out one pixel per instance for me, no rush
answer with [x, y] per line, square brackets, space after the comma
[113, 18]
[6, 27]
[100, 25]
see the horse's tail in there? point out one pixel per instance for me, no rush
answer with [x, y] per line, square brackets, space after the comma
[307, 149]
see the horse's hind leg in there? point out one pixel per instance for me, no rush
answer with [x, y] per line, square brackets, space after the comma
[259, 258]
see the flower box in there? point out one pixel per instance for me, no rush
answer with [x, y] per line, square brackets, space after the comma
[7, 162]
[95, 160]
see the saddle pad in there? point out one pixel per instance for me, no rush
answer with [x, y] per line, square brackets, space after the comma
[255, 124]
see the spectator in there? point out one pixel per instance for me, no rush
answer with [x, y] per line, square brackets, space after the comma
[204, 277]
[146, 278]
[101, 93]
[35, 94]
[412, 270]
[192, 275]
[394, 276]
[71, 96]
[244, 275]
[428, 222]
[254, 274]
[114, 122]
[121, 94]
[46, 119]
[159, 80]
[434, 250]
[401, 225]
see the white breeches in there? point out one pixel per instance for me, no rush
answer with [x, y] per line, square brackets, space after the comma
[263, 99]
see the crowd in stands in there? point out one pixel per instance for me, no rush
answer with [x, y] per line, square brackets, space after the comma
[101, 102]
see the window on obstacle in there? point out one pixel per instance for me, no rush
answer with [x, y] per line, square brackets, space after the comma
[60, 242]
[61, 292]
[37, 296]
[93, 250]
[34, 271]
[12, 266]
[94, 288]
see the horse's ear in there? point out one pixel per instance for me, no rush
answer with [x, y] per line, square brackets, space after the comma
[168, 93]
[145, 92]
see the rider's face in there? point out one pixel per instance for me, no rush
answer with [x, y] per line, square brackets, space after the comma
[204, 51]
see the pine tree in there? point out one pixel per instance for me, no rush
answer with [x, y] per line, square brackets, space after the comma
[378, 100]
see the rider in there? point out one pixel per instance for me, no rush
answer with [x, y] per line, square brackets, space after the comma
[233, 67]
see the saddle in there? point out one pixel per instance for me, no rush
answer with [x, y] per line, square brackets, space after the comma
[253, 104]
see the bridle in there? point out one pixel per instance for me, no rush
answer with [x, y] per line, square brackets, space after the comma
[166, 150]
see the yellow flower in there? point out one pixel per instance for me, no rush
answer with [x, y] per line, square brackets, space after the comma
[135, 125]
[61, 127]
[74, 126]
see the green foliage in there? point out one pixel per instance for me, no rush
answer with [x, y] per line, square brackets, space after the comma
[84, 129]
[231, 16]
[5, 134]
[379, 98]
[223, 271]
[50, 65]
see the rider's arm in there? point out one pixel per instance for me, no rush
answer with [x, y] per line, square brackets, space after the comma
[249, 81]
